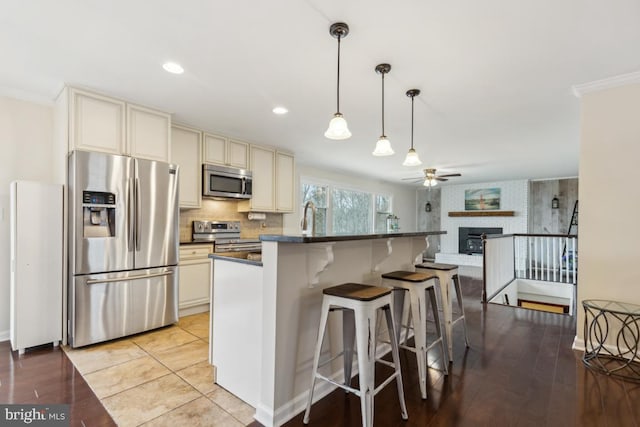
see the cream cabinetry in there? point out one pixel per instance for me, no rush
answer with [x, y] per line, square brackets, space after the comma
[148, 133]
[285, 182]
[195, 279]
[96, 122]
[222, 151]
[273, 181]
[186, 149]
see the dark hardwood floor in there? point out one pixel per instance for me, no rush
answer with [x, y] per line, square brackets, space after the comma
[519, 371]
[46, 376]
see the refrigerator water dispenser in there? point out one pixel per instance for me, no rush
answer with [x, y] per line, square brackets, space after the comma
[99, 212]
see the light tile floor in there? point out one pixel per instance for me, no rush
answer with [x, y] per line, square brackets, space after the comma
[161, 378]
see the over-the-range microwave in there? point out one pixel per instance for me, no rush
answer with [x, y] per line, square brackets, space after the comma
[222, 181]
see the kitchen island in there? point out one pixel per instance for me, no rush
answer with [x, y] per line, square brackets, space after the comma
[295, 269]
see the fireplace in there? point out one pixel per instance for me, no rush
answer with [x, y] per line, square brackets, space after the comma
[470, 238]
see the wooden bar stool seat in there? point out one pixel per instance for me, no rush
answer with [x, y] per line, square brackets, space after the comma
[420, 286]
[359, 305]
[447, 275]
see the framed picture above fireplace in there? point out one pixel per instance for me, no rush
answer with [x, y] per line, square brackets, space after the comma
[482, 199]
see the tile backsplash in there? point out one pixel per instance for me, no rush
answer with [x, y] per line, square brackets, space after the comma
[226, 210]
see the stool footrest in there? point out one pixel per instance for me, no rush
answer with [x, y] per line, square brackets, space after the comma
[385, 382]
[342, 386]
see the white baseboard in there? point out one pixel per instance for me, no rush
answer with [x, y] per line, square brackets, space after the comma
[578, 344]
[295, 406]
[4, 335]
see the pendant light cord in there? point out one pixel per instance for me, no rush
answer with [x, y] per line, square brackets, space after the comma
[412, 122]
[338, 85]
[383, 104]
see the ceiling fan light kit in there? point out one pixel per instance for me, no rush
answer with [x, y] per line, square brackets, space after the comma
[383, 146]
[338, 128]
[412, 158]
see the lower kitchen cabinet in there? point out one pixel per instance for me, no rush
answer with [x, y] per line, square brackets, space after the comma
[195, 279]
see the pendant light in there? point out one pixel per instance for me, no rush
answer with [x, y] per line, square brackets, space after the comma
[338, 125]
[412, 158]
[383, 146]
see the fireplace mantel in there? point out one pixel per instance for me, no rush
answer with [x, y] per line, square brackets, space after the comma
[482, 213]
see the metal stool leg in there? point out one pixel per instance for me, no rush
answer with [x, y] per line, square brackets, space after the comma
[365, 331]
[439, 329]
[316, 357]
[456, 282]
[418, 311]
[395, 353]
[348, 341]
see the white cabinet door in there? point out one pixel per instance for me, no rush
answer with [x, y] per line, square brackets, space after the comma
[284, 182]
[96, 122]
[195, 279]
[148, 133]
[186, 152]
[215, 149]
[221, 151]
[262, 166]
[238, 154]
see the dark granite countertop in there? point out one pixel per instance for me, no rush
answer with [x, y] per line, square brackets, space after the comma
[299, 238]
[238, 260]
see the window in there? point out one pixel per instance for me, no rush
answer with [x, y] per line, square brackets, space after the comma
[351, 211]
[318, 195]
[383, 210]
[346, 211]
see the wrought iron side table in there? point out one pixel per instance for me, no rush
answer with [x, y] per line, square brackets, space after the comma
[612, 338]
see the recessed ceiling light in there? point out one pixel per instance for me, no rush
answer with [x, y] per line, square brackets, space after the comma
[173, 67]
[280, 110]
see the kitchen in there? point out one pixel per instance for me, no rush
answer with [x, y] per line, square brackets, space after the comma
[39, 143]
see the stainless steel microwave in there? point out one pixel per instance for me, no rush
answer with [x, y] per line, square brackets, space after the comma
[222, 181]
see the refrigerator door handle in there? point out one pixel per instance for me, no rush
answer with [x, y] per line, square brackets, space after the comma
[130, 199]
[138, 211]
[125, 279]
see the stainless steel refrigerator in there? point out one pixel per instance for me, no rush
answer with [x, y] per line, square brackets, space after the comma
[123, 246]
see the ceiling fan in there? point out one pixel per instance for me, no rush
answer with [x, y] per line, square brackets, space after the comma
[431, 179]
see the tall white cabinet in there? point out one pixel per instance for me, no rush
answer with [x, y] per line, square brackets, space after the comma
[186, 151]
[36, 264]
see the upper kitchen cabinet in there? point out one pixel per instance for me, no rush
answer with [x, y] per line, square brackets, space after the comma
[222, 151]
[285, 174]
[273, 181]
[186, 149]
[96, 122]
[148, 133]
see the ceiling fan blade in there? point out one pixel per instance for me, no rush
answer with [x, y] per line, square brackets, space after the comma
[447, 175]
[413, 179]
[438, 178]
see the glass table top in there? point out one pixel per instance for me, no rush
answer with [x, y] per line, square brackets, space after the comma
[612, 306]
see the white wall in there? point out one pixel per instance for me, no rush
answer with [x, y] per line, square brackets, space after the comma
[404, 197]
[26, 144]
[609, 198]
[514, 196]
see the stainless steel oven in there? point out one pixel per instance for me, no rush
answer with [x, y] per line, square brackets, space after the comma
[222, 181]
[225, 236]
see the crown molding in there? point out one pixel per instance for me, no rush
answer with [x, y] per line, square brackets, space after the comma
[608, 83]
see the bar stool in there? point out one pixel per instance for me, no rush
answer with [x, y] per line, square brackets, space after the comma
[360, 304]
[447, 274]
[418, 285]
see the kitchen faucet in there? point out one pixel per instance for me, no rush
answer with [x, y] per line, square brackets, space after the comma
[304, 224]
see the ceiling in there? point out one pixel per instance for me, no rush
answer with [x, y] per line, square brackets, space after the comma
[495, 76]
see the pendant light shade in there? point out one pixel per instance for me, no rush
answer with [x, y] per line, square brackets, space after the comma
[412, 158]
[338, 128]
[383, 146]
